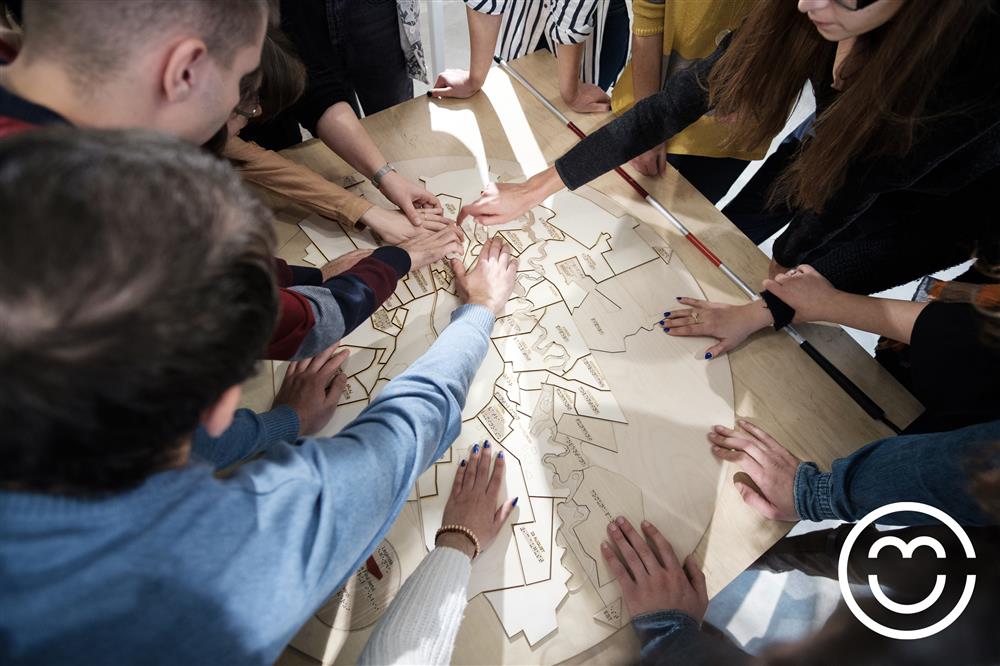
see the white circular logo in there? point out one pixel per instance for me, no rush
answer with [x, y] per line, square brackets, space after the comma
[906, 549]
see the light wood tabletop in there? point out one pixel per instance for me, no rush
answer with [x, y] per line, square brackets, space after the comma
[776, 385]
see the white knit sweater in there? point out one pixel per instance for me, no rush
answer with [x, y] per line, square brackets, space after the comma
[421, 623]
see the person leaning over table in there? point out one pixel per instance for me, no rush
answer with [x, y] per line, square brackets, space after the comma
[958, 472]
[954, 349]
[473, 517]
[278, 84]
[352, 50]
[588, 37]
[176, 67]
[117, 543]
[907, 134]
[667, 600]
[668, 37]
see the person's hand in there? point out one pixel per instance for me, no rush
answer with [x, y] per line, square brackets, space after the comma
[654, 579]
[408, 196]
[768, 464]
[312, 387]
[805, 290]
[502, 202]
[428, 248]
[652, 162]
[490, 282]
[342, 263]
[455, 83]
[588, 98]
[394, 228]
[729, 324]
[473, 502]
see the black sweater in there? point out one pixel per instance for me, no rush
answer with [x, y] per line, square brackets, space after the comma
[895, 219]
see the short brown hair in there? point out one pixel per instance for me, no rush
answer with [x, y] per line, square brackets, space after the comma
[152, 294]
[94, 37]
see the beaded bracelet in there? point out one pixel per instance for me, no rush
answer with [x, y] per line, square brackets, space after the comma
[460, 529]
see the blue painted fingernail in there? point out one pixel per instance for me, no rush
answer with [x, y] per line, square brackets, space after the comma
[678, 297]
[462, 464]
[666, 314]
[666, 330]
[708, 355]
[662, 322]
[486, 443]
[514, 503]
[500, 456]
[475, 449]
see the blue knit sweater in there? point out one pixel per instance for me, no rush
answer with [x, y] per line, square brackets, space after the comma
[190, 569]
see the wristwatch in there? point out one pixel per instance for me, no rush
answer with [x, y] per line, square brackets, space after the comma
[380, 174]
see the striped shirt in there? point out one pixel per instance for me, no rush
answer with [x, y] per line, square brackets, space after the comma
[526, 22]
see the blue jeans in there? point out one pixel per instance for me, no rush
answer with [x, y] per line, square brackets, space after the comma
[934, 468]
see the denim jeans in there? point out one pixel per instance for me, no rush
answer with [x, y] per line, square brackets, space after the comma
[934, 469]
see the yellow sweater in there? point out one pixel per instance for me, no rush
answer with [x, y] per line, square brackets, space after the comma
[691, 30]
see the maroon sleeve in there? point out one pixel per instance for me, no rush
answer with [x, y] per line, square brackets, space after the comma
[295, 320]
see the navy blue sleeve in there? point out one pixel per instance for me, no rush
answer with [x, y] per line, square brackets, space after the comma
[249, 434]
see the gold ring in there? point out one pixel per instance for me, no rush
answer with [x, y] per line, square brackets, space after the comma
[694, 315]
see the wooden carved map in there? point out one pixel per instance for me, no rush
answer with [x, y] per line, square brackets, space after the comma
[598, 413]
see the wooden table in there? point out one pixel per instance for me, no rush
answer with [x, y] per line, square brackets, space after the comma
[776, 385]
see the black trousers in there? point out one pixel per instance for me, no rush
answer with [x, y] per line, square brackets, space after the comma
[365, 49]
[352, 54]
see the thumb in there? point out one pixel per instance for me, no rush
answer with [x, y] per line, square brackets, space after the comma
[441, 87]
[755, 500]
[336, 390]
[697, 578]
[503, 513]
[463, 213]
[458, 268]
[408, 209]
[716, 350]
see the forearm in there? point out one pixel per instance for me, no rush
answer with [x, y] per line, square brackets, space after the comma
[483, 32]
[544, 184]
[422, 621]
[249, 434]
[344, 301]
[354, 484]
[878, 258]
[887, 317]
[344, 134]
[647, 124]
[647, 57]
[934, 469]
[295, 182]
[569, 58]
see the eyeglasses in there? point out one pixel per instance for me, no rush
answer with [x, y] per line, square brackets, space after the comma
[250, 113]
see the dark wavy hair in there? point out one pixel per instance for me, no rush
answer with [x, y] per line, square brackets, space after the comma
[135, 288]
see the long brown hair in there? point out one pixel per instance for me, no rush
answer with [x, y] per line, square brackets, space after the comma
[888, 78]
[283, 76]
